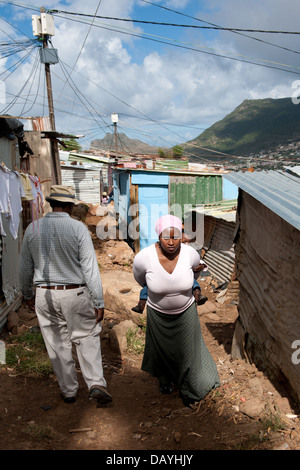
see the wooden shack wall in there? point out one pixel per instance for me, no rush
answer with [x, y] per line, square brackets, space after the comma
[40, 162]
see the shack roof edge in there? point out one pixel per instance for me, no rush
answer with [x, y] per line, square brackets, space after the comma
[277, 190]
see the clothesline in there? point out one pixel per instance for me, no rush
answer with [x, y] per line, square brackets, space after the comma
[15, 187]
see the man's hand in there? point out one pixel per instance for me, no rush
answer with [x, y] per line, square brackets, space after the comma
[99, 313]
[31, 304]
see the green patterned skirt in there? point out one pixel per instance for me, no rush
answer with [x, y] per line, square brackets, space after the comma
[175, 352]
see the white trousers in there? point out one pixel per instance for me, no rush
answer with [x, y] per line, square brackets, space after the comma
[67, 317]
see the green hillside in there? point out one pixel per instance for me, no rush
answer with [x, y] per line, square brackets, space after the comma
[253, 126]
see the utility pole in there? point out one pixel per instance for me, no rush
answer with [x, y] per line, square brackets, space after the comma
[43, 27]
[49, 87]
[115, 118]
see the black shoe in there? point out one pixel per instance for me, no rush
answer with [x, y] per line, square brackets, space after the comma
[166, 389]
[201, 300]
[69, 399]
[187, 401]
[139, 308]
[100, 394]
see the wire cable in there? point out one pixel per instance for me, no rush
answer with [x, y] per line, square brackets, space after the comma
[85, 39]
[78, 93]
[238, 57]
[155, 121]
[213, 24]
[38, 67]
[17, 96]
[212, 27]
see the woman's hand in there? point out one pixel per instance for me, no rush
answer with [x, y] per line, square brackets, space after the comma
[200, 268]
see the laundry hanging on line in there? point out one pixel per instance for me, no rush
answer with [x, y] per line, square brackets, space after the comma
[16, 187]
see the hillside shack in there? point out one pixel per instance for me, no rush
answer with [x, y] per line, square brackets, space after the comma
[267, 253]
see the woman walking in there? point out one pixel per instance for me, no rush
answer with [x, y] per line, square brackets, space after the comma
[175, 351]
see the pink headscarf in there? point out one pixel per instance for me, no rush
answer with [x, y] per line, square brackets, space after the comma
[167, 221]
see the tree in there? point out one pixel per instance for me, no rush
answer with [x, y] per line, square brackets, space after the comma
[161, 152]
[177, 151]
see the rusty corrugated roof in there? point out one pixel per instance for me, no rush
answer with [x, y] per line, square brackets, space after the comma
[277, 190]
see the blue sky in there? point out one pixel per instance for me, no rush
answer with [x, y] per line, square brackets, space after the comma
[167, 88]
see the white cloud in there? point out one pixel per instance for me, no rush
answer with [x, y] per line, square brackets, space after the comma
[120, 73]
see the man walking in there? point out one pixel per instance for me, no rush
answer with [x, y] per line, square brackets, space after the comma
[58, 262]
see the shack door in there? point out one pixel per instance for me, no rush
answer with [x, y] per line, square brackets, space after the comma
[153, 203]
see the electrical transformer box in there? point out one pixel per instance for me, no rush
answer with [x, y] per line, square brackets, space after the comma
[49, 56]
[47, 24]
[36, 25]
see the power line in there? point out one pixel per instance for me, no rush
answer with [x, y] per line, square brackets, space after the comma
[213, 24]
[78, 93]
[85, 39]
[158, 23]
[37, 67]
[17, 64]
[152, 119]
[266, 64]
[131, 20]
[4, 111]
[235, 31]
[162, 122]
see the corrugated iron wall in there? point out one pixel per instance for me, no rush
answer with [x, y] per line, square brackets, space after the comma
[219, 248]
[10, 296]
[86, 183]
[268, 270]
[193, 190]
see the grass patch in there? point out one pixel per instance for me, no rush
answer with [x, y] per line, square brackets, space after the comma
[39, 431]
[272, 421]
[27, 353]
[252, 442]
[136, 339]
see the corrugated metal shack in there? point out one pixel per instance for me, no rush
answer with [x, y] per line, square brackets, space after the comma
[90, 175]
[165, 188]
[267, 249]
[85, 180]
[28, 152]
[10, 296]
[39, 163]
[218, 246]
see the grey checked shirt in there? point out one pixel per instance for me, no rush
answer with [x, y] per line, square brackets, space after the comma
[58, 250]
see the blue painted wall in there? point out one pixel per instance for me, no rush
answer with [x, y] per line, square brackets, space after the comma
[121, 182]
[153, 203]
[230, 190]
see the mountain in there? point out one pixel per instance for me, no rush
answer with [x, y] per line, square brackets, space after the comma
[255, 125]
[125, 145]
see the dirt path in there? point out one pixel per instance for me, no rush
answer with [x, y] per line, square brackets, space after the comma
[140, 418]
[33, 415]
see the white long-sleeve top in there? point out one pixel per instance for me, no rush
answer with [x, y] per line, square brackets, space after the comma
[167, 293]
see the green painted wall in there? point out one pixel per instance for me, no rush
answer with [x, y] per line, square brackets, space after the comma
[193, 190]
